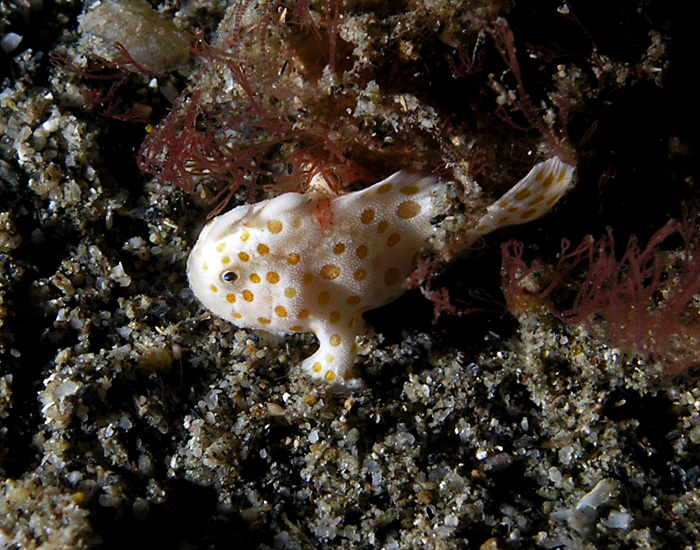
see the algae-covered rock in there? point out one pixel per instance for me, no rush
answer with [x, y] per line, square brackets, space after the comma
[150, 38]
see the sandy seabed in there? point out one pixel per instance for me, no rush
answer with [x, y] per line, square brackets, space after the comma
[129, 417]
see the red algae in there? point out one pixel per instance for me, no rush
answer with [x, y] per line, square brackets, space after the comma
[643, 302]
[289, 91]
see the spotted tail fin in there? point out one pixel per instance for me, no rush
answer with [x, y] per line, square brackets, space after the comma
[532, 197]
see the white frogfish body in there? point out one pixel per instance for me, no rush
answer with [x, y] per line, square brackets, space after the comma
[315, 262]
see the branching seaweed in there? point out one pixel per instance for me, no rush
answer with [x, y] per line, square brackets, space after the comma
[512, 94]
[645, 302]
[113, 75]
[258, 140]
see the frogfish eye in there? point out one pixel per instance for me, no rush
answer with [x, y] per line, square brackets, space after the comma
[229, 276]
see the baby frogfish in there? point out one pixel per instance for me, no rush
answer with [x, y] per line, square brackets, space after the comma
[278, 266]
